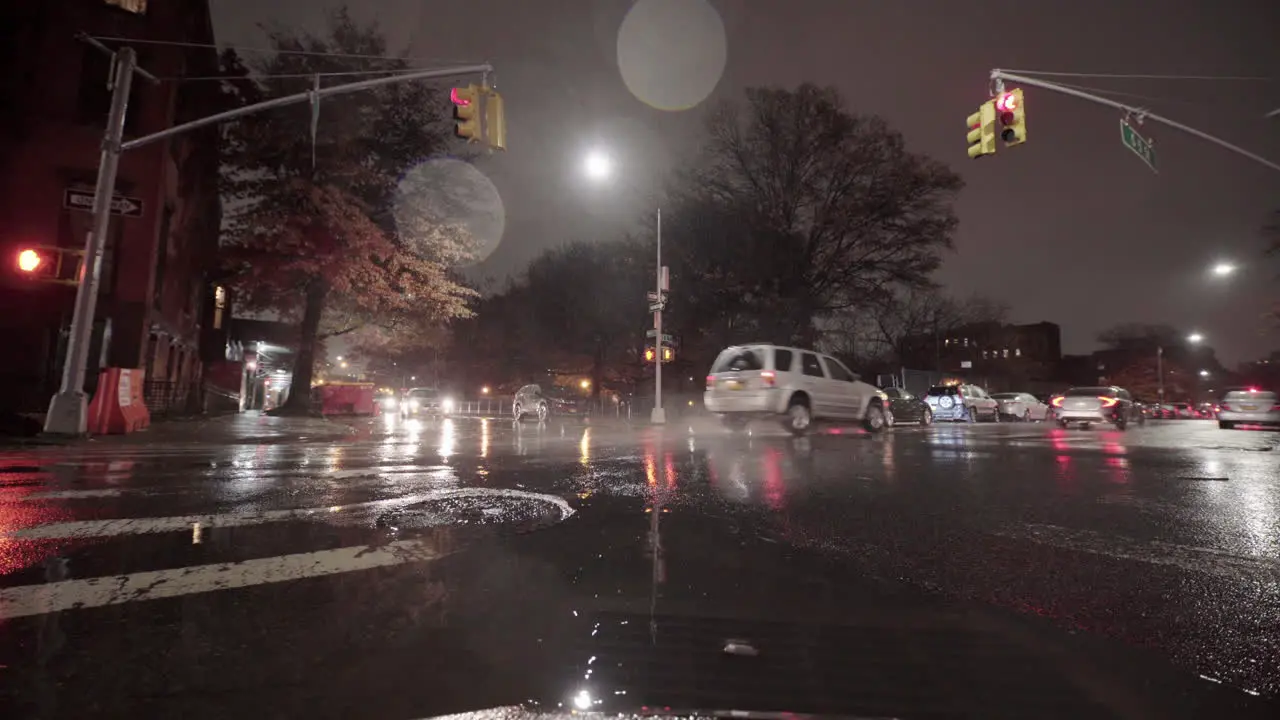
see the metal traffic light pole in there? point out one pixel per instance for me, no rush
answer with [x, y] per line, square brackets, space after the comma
[1000, 75]
[68, 408]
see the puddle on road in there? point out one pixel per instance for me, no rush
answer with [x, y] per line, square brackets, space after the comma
[516, 511]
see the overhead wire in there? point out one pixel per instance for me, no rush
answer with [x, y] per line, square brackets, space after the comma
[276, 51]
[1136, 76]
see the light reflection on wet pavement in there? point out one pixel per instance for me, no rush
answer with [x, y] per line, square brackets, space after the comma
[183, 553]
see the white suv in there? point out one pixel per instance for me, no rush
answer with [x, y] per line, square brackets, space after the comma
[798, 386]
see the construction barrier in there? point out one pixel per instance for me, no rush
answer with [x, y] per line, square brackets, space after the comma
[118, 406]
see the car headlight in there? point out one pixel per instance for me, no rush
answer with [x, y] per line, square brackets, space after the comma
[413, 404]
[389, 403]
[446, 405]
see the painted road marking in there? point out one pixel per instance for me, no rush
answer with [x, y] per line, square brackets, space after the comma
[154, 585]
[184, 523]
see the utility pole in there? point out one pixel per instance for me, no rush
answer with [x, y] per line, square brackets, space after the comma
[1160, 372]
[659, 416]
[68, 408]
[999, 76]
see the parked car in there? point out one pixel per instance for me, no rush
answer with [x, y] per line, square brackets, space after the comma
[905, 407]
[1021, 406]
[421, 401]
[968, 403]
[1101, 404]
[535, 401]
[794, 385]
[1252, 406]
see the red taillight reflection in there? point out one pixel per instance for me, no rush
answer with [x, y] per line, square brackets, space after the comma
[711, 381]
[768, 377]
[1107, 401]
[1056, 402]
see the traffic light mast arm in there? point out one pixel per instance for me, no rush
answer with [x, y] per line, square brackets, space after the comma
[999, 75]
[307, 97]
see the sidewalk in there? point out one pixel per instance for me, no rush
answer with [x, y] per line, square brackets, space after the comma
[249, 427]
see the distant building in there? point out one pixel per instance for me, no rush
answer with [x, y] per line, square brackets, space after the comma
[55, 98]
[989, 347]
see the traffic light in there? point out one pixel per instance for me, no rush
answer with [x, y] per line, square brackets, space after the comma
[651, 353]
[466, 111]
[982, 130]
[1013, 118]
[495, 120]
[45, 263]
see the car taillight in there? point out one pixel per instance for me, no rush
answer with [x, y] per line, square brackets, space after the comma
[768, 378]
[1056, 402]
[1107, 401]
[711, 381]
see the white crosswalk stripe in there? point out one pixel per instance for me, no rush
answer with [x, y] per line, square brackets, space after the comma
[427, 482]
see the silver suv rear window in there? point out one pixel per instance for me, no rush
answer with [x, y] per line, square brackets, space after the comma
[738, 360]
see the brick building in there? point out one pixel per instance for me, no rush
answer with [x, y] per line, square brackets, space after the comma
[54, 101]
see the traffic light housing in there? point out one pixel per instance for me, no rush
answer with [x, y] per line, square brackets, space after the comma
[45, 263]
[480, 116]
[651, 353]
[1013, 117]
[466, 111]
[982, 130]
[495, 120]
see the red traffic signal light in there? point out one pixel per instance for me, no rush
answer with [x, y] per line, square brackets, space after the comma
[46, 263]
[29, 261]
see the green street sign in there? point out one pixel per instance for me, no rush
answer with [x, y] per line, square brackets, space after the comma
[1138, 144]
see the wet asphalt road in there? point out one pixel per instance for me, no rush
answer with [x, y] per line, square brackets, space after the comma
[389, 568]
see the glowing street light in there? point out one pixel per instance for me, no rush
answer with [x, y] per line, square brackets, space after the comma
[1204, 373]
[584, 384]
[484, 390]
[597, 165]
[1194, 338]
[1224, 269]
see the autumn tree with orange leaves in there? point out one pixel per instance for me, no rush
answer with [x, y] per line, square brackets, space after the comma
[321, 229]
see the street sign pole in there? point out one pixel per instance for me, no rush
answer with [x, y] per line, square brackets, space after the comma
[998, 76]
[67, 409]
[659, 416]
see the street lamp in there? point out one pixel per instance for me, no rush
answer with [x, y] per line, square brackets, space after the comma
[1223, 269]
[599, 167]
[585, 384]
[484, 390]
[1193, 338]
[1204, 373]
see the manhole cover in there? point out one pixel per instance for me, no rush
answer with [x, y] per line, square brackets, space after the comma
[512, 510]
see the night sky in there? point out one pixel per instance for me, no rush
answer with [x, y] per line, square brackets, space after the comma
[1070, 227]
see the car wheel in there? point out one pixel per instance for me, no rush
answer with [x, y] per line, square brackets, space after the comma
[1223, 425]
[798, 417]
[1026, 416]
[971, 415]
[517, 413]
[995, 415]
[926, 417]
[1121, 423]
[1062, 424]
[542, 412]
[875, 421]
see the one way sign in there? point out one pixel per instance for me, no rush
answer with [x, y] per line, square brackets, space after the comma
[83, 200]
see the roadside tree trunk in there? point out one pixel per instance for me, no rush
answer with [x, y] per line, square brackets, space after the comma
[299, 401]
